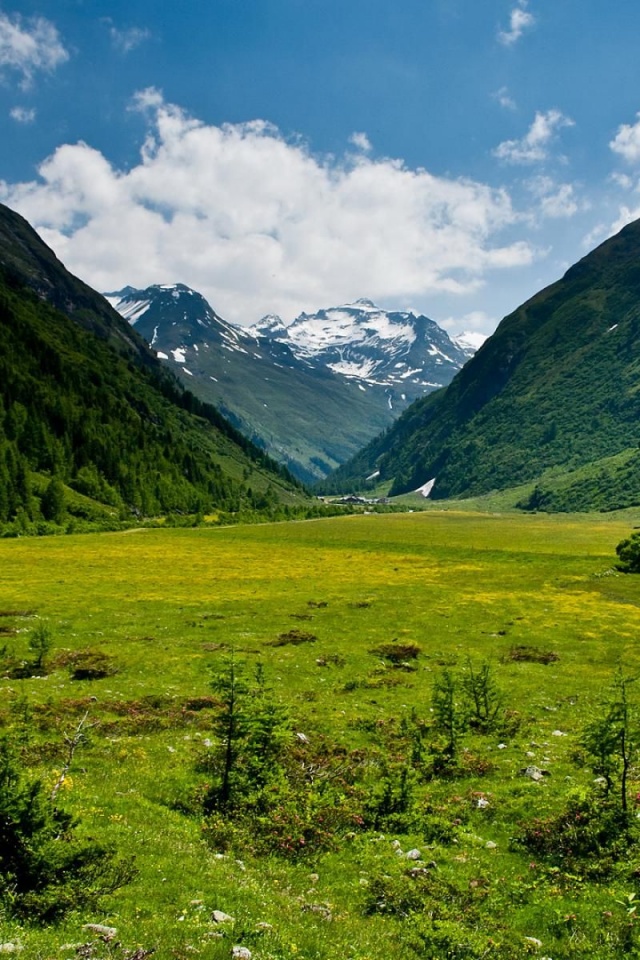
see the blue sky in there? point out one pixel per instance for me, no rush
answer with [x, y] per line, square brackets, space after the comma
[447, 156]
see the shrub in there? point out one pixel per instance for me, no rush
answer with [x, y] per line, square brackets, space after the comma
[392, 803]
[45, 871]
[588, 834]
[628, 552]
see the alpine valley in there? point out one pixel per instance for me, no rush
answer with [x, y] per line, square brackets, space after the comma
[312, 393]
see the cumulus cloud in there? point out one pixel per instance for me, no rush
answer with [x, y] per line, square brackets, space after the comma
[28, 46]
[555, 200]
[126, 40]
[520, 20]
[534, 146]
[259, 224]
[626, 142]
[22, 115]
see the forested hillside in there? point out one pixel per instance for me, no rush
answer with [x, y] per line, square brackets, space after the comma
[556, 386]
[85, 408]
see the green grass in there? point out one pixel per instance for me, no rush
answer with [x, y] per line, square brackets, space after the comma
[165, 606]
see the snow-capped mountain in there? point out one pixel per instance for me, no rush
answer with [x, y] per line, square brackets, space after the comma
[175, 320]
[405, 354]
[312, 392]
[469, 342]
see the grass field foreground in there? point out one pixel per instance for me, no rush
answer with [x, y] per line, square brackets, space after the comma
[320, 605]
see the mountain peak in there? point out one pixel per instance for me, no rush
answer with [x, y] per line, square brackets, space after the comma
[364, 302]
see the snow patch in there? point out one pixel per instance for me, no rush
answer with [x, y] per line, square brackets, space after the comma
[426, 488]
[179, 354]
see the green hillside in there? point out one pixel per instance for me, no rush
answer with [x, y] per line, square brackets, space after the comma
[90, 424]
[555, 386]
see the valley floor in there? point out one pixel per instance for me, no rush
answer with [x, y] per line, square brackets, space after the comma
[378, 830]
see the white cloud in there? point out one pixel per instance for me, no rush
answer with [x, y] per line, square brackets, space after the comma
[22, 115]
[149, 99]
[129, 38]
[555, 200]
[602, 231]
[477, 321]
[361, 141]
[533, 147]
[626, 142]
[623, 180]
[29, 45]
[261, 225]
[519, 21]
[625, 215]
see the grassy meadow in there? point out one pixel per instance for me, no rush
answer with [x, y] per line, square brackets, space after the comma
[320, 604]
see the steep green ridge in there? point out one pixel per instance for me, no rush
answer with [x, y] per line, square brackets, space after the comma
[85, 406]
[27, 261]
[555, 386]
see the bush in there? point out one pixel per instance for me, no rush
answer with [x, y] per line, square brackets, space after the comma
[588, 833]
[45, 871]
[628, 552]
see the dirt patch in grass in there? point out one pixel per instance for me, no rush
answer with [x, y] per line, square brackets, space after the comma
[397, 653]
[293, 637]
[528, 654]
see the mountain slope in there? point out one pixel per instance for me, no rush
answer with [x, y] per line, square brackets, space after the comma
[312, 394]
[555, 386]
[84, 402]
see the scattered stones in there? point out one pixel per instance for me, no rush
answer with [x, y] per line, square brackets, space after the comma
[320, 909]
[502, 746]
[220, 917]
[558, 733]
[533, 941]
[10, 947]
[413, 854]
[395, 845]
[534, 773]
[264, 926]
[100, 929]
[482, 803]
[416, 872]
[302, 737]
[241, 953]
[490, 845]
